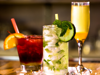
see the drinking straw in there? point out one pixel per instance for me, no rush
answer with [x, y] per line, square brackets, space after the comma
[14, 25]
[56, 17]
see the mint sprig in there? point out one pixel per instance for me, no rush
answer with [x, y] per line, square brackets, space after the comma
[58, 23]
[64, 25]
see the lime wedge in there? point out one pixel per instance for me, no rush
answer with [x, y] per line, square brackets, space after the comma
[69, 35]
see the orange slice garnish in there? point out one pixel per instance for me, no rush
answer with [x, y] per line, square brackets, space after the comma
[11, 40]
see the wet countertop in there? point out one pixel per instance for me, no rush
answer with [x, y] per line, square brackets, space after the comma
[11, 67]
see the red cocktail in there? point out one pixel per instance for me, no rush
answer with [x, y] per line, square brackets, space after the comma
[30, 50]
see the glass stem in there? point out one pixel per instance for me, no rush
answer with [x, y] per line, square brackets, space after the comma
[80, 44]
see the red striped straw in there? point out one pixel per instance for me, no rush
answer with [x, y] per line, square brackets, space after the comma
[14, 25]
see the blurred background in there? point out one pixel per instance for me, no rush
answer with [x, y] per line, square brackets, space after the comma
[31, 15]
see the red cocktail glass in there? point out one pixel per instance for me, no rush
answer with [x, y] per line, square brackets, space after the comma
[30, 50]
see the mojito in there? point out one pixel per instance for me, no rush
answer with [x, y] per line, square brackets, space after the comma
[55, 52]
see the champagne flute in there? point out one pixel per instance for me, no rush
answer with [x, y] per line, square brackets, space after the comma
[80, 17]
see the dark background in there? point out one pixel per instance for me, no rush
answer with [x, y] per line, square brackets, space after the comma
[31, 15]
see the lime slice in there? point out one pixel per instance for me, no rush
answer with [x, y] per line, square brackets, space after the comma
[69, 35]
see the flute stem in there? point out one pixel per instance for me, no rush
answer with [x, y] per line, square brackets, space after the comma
[80, 44]
[80, 67]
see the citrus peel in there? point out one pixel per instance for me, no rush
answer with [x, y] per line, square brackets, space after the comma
[11, 40]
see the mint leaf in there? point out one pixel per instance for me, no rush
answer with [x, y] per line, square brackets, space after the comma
[66, 24]
[44, 43]
[58, 69]
[58, 23]
[58, 62]
[46, 62]
[50, 56]
[61, 51]
[47, 50]
[57, 44]
[63, 31]
[53, 68]
[61, 57]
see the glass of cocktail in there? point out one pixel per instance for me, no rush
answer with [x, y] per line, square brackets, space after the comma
[30, 50]
[55, 53]
[80, 17]
[55, 47]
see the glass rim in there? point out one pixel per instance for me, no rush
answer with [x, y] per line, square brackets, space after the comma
[48, 26]
[34, 36]
[80, 3]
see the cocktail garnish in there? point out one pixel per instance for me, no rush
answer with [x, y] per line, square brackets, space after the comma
[64, 25]
[11, 40]
[67, 30]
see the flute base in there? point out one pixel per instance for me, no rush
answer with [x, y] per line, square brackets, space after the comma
[81, 69]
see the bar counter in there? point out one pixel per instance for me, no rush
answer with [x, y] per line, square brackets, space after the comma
[9, 67]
